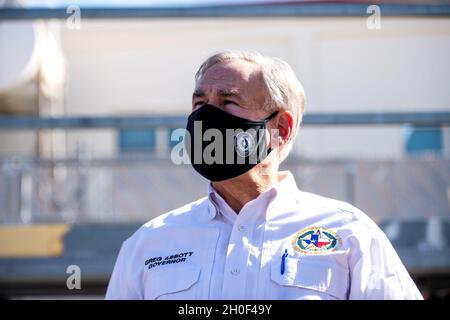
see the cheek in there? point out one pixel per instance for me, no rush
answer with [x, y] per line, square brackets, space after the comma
[195, 107]
[250, 114]
[235, 110]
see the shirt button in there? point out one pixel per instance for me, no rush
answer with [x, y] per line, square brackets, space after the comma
[242, 228]
[235, 271]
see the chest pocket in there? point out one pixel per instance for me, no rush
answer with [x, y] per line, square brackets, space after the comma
[173, 283]
[310, 278]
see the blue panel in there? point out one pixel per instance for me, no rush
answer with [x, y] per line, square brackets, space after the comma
[137, 141]
[424, 140]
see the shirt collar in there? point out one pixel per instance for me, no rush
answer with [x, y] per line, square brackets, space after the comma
[220, 205]
[279, 196]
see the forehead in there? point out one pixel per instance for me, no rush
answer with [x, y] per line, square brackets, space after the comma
[237, 74]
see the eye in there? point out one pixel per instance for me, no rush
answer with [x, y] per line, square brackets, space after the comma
[229, 102]
[197, 103]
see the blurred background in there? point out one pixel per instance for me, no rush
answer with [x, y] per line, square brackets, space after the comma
[90, 92]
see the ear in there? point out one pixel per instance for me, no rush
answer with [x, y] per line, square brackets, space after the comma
[284, 124]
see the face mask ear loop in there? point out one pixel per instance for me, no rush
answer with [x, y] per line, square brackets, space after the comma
[269, 150]
[271, 116]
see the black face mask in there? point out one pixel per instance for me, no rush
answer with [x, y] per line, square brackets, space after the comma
[242, 145]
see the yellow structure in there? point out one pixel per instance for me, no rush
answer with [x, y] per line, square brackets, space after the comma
[32, 241]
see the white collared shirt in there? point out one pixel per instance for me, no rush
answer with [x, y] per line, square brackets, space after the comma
[285, 244]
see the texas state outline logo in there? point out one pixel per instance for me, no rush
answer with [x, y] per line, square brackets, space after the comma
[316, 240]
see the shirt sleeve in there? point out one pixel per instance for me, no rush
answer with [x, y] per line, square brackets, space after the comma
[379, 274]
[120, 285]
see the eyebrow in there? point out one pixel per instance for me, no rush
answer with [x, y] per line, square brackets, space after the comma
[223, 93]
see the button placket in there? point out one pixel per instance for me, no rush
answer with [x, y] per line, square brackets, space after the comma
[234, 284]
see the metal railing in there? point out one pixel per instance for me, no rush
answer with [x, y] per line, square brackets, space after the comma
[84, 122]
[24, 180]
[234, 11]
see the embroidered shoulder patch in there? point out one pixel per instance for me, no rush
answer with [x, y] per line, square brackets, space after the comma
[316, 240]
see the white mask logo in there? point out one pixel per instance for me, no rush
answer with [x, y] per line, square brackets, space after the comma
[244, 144]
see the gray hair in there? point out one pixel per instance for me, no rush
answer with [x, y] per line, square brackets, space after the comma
[284, 89]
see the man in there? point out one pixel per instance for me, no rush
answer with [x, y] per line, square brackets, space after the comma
[256, 235]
